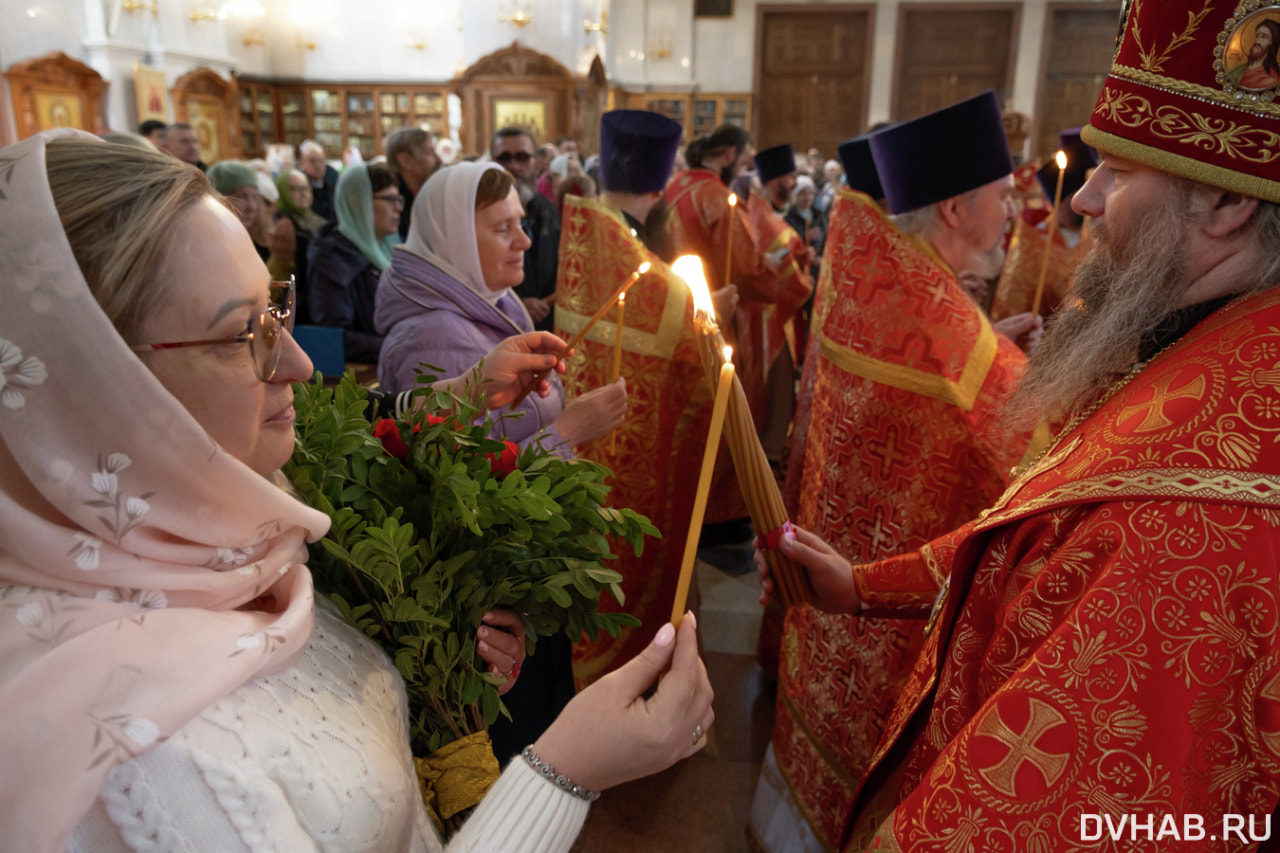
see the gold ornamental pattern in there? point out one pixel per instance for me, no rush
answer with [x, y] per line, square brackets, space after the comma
[1193, 427]
[1113, 628]
[1153, 59]
[1210, 135]
[1121, 613]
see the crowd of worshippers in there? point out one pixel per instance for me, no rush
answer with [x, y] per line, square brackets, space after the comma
[332, 230]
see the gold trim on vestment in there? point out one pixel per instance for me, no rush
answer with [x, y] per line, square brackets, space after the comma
[1183, 484]
[962, 393]
[1187, 167]
[1195, 90]
[660, 344]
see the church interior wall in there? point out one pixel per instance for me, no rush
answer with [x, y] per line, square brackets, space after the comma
[652, 45]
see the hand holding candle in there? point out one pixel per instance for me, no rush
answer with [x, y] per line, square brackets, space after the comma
[704, 486]
[578, 338]
[1050, 232]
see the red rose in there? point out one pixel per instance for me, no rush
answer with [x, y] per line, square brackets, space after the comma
[506, 463]
[388, 433]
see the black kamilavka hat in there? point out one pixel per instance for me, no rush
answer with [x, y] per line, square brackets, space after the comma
[775, 162]
[943, 154]
[637, 149]
[860, 167]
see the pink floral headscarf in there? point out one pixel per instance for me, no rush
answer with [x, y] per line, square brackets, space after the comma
[144, 572]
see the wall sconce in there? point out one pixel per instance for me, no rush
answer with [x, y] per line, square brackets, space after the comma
[601, 26]
[208, 13]
[660, 47]
[520, 17]
[254, 38]
[135, 6]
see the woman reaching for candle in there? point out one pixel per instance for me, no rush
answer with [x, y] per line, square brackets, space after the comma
[167, 680]
[445, 301]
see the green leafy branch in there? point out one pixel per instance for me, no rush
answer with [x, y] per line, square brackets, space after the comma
[419, 550]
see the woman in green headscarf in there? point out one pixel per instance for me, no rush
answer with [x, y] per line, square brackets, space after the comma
[295, 206]
[295, 203]
[347, 257]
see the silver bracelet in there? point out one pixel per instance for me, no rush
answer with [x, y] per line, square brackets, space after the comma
[558, 779]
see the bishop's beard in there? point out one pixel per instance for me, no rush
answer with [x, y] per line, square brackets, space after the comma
[1132, 280]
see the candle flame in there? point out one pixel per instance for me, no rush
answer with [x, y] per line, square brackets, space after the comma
[622, 298]
[728, 354]
[1062, 160]
[689, 268]
[643, 268]
[733, 199]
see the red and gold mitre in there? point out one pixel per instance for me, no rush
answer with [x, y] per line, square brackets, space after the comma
[1193, 91]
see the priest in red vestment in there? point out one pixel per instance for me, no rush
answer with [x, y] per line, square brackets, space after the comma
[661, 441]
[902, 442]
[1101, 667]
[1066, 242]
[699, 221]
[770, 304]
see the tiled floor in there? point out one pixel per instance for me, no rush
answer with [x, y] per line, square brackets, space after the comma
[702, 804]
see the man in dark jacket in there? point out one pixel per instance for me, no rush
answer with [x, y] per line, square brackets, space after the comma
[322, 176]
[513, 149]
[412, 158]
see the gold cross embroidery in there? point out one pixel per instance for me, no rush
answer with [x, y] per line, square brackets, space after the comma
[1152, 411]
[1022, 747]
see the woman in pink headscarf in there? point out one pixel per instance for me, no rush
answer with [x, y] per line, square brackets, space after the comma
[167, 680]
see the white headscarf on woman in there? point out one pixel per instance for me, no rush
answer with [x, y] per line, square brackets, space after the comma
[144, 572]
[443, 227]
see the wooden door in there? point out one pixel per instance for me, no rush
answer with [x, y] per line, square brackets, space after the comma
[812, 74]
[949, 52]
[1078, 44]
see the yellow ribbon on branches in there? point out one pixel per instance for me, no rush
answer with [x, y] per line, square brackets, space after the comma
[457, 776]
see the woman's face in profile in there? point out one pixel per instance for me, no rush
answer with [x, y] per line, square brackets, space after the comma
[501, 243]
[214, 283]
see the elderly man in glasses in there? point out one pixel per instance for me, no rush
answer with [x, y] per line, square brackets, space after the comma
[513, 149]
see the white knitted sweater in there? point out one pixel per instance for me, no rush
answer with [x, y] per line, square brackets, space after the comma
[315, 758]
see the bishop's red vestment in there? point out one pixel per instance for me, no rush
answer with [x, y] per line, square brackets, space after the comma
[1110, 640]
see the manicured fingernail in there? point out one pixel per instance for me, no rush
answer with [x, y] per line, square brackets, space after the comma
[666, 634]
[789, 535]
[484, 647]
[692, 619]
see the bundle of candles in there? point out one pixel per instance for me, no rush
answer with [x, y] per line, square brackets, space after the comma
[730, 414]
[759, 488]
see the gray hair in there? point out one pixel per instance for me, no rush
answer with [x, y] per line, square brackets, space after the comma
[924, 222]
[404, 141]
[1266, 226]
